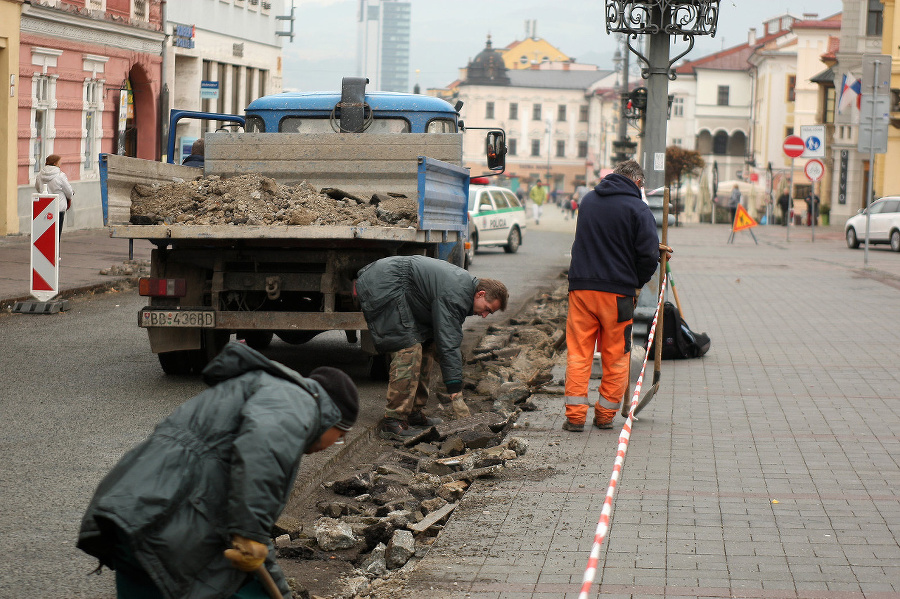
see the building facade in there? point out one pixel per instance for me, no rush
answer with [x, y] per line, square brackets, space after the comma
[220, 55]
[89, 81]
[10, 14]
[383, 29]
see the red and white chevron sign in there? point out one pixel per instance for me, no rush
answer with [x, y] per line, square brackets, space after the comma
[44, 247]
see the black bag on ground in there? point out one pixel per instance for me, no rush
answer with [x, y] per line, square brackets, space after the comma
[679, 341]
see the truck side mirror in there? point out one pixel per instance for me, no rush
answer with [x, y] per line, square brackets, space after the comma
[495, 148]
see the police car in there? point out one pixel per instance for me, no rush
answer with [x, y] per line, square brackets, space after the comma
[497, 217]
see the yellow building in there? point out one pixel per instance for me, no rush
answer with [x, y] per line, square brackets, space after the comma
[530, 52]
[887, 180]
[10, 11]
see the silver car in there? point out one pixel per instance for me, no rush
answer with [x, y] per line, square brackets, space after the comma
[884, 224]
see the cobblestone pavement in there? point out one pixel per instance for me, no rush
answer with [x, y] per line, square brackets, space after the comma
[767, 468]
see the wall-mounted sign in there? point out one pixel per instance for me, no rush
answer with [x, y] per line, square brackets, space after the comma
[209, 90]
[183, 36]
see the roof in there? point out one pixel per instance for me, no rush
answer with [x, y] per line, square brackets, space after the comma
[832, 22]
[326, 101]
[555, 79]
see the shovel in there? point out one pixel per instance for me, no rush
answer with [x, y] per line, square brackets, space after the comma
[265, 579]
[663, 266]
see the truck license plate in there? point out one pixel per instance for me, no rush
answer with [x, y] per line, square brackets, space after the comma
[178, 318]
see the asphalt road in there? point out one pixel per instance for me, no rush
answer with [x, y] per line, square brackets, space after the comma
[80, 388]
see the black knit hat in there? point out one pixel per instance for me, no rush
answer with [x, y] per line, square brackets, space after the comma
[342, 391]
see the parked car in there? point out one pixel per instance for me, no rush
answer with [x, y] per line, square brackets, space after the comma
[497, 216]
[884, 224]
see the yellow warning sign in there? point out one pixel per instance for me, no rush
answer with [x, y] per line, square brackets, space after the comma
[742, 220]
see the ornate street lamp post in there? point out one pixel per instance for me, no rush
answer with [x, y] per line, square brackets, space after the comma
[659, 19]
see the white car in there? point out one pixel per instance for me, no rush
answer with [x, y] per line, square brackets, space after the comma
[884, 224]
[497, 216]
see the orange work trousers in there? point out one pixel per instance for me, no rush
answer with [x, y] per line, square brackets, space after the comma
[601, 319]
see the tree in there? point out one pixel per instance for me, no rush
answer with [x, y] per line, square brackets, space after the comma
[681, 162]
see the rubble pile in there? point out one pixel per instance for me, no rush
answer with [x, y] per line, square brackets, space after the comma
[390, 511]
[254, 200]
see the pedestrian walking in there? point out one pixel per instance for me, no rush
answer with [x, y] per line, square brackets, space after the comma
[57, 183]
[734, 201]
[189, 512]
[784, 203]
[616, 251]
[415, 307]
[538, 195]
[812, 208]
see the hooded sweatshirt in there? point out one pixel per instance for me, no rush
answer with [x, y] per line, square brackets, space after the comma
[56, 182]
[616, 246]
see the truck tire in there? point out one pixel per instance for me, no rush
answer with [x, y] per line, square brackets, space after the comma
[258, 340]
[178, 363]
[296, 337]
[380, 367]
[212, 341]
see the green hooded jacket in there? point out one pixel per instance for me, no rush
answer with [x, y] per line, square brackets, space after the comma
[414, 299]
[222, 463]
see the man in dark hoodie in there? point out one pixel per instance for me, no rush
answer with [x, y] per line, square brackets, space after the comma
[188, 513]
[616, 251]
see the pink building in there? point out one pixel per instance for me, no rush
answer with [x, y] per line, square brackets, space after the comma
[89, 74]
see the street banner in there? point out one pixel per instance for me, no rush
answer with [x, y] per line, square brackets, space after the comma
[44, 246]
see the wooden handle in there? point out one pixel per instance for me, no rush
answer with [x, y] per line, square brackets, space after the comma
[268, 583]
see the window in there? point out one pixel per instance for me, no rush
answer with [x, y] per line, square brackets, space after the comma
[512, 199]
[441, 126]
[40, 138]
[582, 149]
[535, 147]
[500, 201]
[791, 88]
[788, 131]
[513, 111]
[42, 91]
[560, 149]
[676, 141]
[720, 143]
[583, 113]
[830, 95]
[93, 108]
[489, 110]
[139, 10]
[677, 106]
[561, 113]
[511, 146]
[723, 95]
[875, 18]
[536, 112]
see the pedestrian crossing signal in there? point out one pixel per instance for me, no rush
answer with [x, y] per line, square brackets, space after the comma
[742, 220]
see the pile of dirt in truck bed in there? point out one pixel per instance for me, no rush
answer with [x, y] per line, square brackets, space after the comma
[254, 200]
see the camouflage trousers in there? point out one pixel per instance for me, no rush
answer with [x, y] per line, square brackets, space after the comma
[410, 372]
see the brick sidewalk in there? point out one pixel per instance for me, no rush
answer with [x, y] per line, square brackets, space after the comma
[767, 468]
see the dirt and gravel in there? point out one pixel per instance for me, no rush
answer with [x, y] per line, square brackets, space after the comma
[254, 200]
[359, 532]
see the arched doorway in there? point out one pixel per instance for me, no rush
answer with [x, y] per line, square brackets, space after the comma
[141, 130]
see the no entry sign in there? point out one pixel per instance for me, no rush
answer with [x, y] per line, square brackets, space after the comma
[44, 246]
[793, 146]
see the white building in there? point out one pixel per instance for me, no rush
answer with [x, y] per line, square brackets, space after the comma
[233, 45]
[382, 47]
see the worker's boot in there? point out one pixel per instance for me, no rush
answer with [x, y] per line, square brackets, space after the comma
[572, 426]
[396, 430]
[603, 417]
[418, 418]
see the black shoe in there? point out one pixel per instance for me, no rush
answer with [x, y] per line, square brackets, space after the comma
[420, 419]
[396, 430]
[571, 426]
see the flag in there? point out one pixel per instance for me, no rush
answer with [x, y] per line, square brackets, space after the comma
[851, 89]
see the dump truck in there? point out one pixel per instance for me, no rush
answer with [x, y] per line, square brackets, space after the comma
[210, 281]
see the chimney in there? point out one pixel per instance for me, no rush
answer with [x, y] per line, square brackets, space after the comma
[751, 36]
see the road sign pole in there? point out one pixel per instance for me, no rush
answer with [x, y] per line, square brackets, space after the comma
[812, 211]
[790, 213]
[871, 166]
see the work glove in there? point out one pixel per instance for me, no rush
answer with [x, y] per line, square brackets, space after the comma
[460, 409]
[246, 555]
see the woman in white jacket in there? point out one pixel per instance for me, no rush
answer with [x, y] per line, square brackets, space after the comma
[56, 182]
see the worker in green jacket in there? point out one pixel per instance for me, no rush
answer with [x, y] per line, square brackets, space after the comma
[415, 307]
[189, 512]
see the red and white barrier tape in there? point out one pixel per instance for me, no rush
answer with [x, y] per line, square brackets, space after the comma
[624, 437]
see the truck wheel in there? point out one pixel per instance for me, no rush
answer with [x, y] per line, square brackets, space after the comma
[258, 340]
[513, 243]
[212, 341]
[177, 363]
[380, 367]
[297, 337]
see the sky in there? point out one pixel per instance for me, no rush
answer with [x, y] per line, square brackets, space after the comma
[446, 35]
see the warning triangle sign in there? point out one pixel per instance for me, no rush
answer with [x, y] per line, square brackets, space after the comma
[742, 220]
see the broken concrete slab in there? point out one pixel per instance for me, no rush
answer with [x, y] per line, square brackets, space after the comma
[401, 547]
[433, 518]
